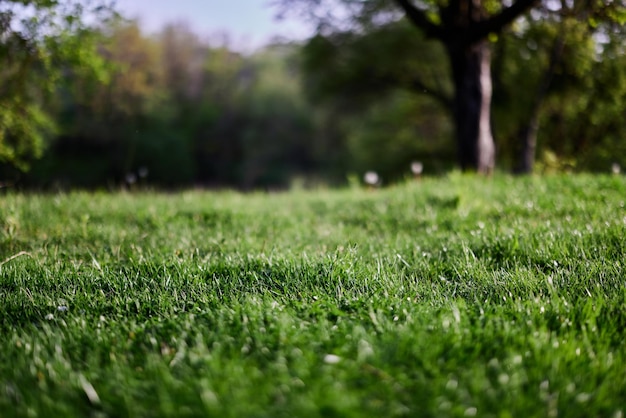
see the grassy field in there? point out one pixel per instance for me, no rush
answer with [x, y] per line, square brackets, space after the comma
[461, 296]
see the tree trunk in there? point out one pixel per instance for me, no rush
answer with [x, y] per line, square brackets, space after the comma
[464, 29]
[528, 139]
[528, 132]
[471, 69]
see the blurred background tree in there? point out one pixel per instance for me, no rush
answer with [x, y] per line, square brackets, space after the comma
[40, 41]
[463, 29]
[395, 105]
[370, 48]
[102, 125]
[560, 56]
[106, 105]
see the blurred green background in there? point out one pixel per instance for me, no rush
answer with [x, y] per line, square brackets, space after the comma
[89, 100]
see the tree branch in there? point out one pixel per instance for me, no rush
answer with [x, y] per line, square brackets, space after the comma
[500, 20]
[419, 19]
[413, 83]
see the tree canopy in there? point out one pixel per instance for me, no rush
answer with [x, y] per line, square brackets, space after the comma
[102, 104]
[41, 41]
[467, 31]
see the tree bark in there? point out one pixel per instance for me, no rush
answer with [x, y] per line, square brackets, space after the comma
[464, 30]
[471, 70]
[528, 139]
[528, 132]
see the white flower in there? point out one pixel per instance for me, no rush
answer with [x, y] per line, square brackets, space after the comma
[371, 178]
[417, 168]
[615, 168]
[331, 359]
[471, 412]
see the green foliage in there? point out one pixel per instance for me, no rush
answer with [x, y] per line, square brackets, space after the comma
[584, 87]
[368, 92]
[390, 86]
[365, 48]
[585, 116]
[444, 297]
[408, 128]
[39, 41]
[277, 139]
[187, 111]
[24, 128]
[352, 66]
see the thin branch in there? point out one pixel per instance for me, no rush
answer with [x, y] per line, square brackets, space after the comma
[414, 84]
[419, 19]
[500, 20]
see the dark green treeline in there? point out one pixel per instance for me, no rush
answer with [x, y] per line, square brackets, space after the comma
[174, 110]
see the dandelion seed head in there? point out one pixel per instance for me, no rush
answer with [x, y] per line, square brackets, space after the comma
[417, 167]
[615, 168]
[371, 178]
[331, 359]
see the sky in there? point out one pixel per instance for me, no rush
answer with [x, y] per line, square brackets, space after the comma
[249, 24]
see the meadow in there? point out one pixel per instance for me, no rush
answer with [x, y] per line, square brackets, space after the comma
[449, 297]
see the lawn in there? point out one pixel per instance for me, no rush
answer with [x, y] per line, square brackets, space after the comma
[458, 296]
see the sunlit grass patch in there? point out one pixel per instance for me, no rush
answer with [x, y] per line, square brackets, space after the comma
[444, 297]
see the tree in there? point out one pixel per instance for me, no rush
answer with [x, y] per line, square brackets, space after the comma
[40, 41]
[463, 27]
[114, 128]
[377, 93]
[558, 56]
[578, 55]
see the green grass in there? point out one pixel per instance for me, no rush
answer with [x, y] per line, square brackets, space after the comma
[447, 297]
